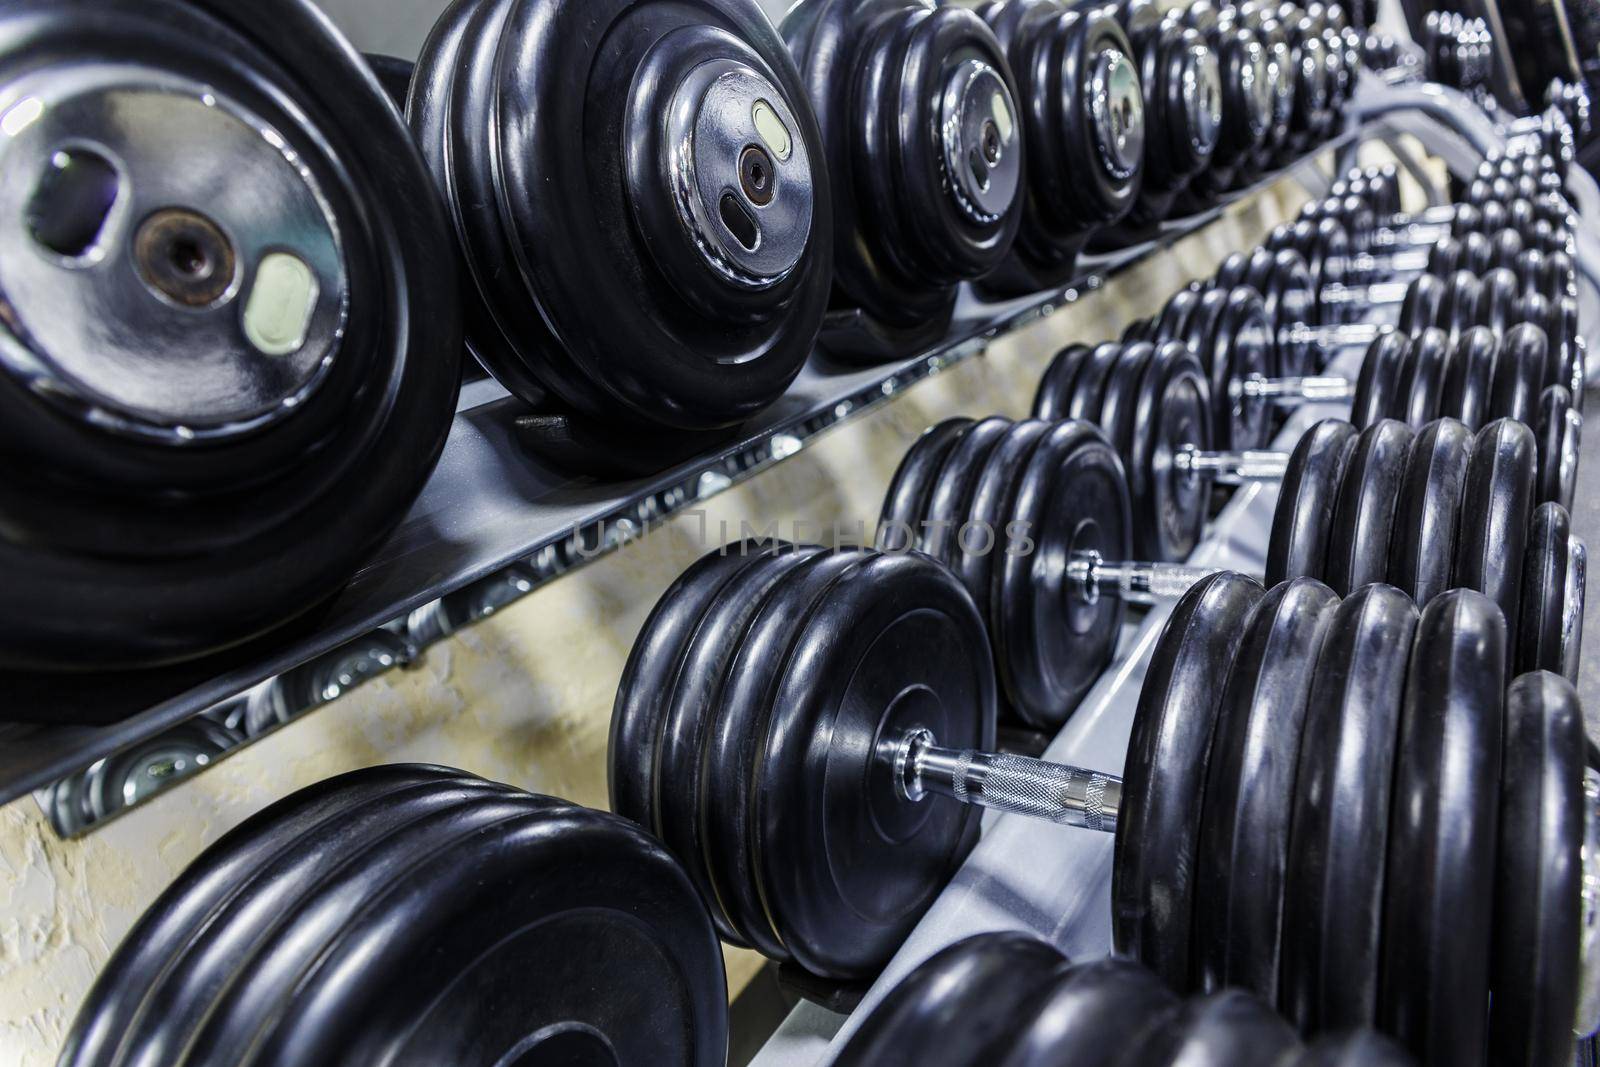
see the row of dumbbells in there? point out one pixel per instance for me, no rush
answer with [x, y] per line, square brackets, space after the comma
[228, 326]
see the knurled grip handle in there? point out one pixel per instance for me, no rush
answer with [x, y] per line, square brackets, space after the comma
[1069, 796]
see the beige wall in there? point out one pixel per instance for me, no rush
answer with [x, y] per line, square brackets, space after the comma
[525, 698]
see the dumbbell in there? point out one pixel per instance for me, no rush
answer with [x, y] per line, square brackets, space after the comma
[1181, 81]
[216, 383]
[423, 915]
[789, 714]
[639, 195]
[1083, 120]
[1008, 998]
[1036, 520]
[1247, 103]
[925, 198]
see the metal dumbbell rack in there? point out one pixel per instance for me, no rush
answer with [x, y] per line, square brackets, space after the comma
[491, 526]
[1044, 879]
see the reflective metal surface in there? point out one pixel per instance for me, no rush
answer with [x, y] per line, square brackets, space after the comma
[129, 194]
[1116, 106]
[1202, 97]
[982, 151]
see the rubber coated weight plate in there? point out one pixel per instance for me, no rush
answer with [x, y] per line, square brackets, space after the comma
[692, 709]
[906, 503]
[242, 433]
[1157, 842]
[1459, 311]
[1172, 323]
[648, 679]
[1052, 642]
[1378, 383]
[1232, 272]
[1089, 386]
[961, 1007]
[1119, 401]
[1361, 1049]
[1534, 977]
[566, 933]
[188, 903]
[1226, 1029]
[1544, 591]
[1174, 412]
[1055, 388]
[629, 296]
[1559, 429]
[1422, 385]
[1249, 790]
[246, 968]
[950, 502]
[982, 515]
[729, 760]
[1290, 300]
[1422, 542]
[1091, 1009]
[1306, 501]
[847, 866]
[1363, 519]
[1519, 374]
[1333, 891]
[1498, 300]
[1423, 307]
[923, 146]
[1469, 378]
[1496, 506]
[1439, 887]
[1230, 333]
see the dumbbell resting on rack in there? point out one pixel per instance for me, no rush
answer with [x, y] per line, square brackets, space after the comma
[789, 716]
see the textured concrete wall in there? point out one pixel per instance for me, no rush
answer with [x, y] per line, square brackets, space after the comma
[524, 698]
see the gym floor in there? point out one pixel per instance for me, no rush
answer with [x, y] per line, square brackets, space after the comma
[1586, 522]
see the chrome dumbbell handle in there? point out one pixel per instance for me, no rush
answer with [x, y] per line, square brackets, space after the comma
[1315, 390]
[1067, 796]
[1092, 576]
[1572, 613]
[1335, 335]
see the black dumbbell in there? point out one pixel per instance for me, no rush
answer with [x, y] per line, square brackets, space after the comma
[925, 198]
[1036, 519]
[1083, 119]
[1247, 102]
[1011, 999]
[394, 912]
[217, 383]
[789, 712]
[1179, 75]
[639, 193]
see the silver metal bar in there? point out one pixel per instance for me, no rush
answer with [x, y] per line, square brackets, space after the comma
[1572, 609]
[1407, 261]
[1068, 796]
[1233, 468]
[1335, 335]
[1136, 583]
[1378, 294]
[1316, 390]
[1411, 235]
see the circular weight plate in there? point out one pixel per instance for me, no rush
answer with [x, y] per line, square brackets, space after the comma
[1533, 980]
[962, 1007]
[1422, 384]
[1362, 1048]
[980, 529]
[1291, 301]
[1233, 271]
[1152, 882]
[1052, 638]
[1496, 506]
[1439, 886]
[1422, 543]
[950, 505]
[1469, 378]
[1249, 790]
[647, 682]
[1423, 306]
[246, 970]
[1055, 388]
[906, 503]
[1544, 591]
[733, 747]
[1119, 402]
[1089, 386]
[1333, 892]
[1559, 429]
[1226, 1029]
[1519, 374]
[369, 411]
[1363, 519]
[1378, 383]
[847, 865]
[1306, 502]
[211, 882]
[560, 933]
[1172, 323]
[692, 703]
[1173, 413]
[1092, 1008]
[1244, 346]
[1459, 311]
[1497, 303]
